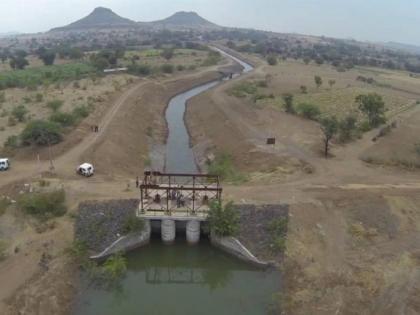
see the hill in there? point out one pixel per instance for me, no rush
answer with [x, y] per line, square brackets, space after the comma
[99, 18]
[185, 20]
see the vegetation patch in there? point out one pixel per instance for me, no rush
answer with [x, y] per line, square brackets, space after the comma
[44, 206]
[223, 220]
[223, 167]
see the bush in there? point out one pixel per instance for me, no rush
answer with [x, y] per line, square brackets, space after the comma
[3, 248]
[40, 132]
[346, 128]
[213, 58]
[4, 204]
[167, 68]
[19, 112]
[64, 119]
[309, 111]
[12, 142]
[288, 103]
[44, 205]
[278, 231]
[142, 70]
[2, 97]
[39, 97]
[223, 167]
[81, 111]
[244, 89]
[180, 67]
[272, 60]
[114, 267]
[133, 225]
[417, 148]
[223, 221]
[55, 105]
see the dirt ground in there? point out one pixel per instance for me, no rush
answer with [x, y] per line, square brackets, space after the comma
[352, 246]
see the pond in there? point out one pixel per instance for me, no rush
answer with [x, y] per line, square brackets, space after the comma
[180, 279]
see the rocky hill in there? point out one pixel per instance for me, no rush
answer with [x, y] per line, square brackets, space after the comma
[185, 20]
[99, 18]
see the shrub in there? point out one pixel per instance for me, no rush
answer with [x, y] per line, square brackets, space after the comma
[167, 68]
[114, 267]
[288, 103]
[309, 111]
[3, 248]
[133, 224]
[44, 205]
[223, 221]
[55, 105]
[2, 97]
[417, 148]
[12, 142]
[278, 232]
[272, 60]
[143, 70]
[19, 113]
[303, 89]
[346, 128]
[40, 132]
[4, 204]
[213, 58]
[64, 119]
[243, 89]
[11, 121]
[39, 97]
[180, 67]
[81, 111]
[223, 167]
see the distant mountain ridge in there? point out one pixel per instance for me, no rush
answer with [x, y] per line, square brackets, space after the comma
[99, 18]
[105, 18]
[407, 47]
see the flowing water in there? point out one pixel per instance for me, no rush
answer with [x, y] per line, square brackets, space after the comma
[179, 154]
[180, 279]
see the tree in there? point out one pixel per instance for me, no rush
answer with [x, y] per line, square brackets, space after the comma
[331, 83]
[272, 60]
[47, 57]
[42, 133]
[18, 63]
[318, 81]
[224, 221]
[373, 106]
[329, 127]
[167, 53]
[346, 126]
[288, 103]
[309, 111]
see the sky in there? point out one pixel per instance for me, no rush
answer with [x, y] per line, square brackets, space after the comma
[367, 20]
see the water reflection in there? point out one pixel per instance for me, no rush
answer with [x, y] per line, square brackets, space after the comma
[181, 279]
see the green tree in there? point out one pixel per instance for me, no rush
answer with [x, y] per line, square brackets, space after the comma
[167, 53]
[224, 221]
[288, 103]
[373, 106]
[346, 127]
[47, 57]
[318, 81]
[309, 111]
[329, 127]
[41, 132]
[272, 60]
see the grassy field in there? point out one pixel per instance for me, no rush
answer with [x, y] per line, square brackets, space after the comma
[398, 88]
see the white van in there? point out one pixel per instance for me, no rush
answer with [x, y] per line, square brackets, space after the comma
[4, 164]
[86, 169]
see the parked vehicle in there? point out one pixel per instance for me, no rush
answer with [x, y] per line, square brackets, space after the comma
[4, 164]
[86, 169]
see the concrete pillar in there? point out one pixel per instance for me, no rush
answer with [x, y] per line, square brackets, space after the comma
[193, 231]
[168, 230]
[147, 230]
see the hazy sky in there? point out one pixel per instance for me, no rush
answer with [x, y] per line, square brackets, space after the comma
[374, 20]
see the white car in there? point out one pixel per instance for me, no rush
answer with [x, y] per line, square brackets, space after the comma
[86, 169]
[4, 164]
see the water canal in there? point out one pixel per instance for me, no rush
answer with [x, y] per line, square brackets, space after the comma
[182, 279]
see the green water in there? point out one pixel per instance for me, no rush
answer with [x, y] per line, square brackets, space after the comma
[183, 280]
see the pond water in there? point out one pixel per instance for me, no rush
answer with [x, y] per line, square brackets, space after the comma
[184, 280]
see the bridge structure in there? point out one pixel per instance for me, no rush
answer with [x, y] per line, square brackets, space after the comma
[170, 197]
